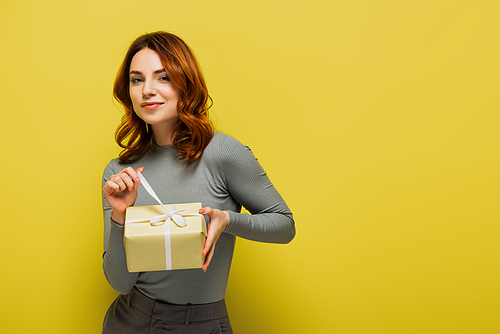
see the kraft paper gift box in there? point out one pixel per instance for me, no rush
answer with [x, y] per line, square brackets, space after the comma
[153, 243]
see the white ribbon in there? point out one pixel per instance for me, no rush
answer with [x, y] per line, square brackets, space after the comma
[176, 216]
[158, 220]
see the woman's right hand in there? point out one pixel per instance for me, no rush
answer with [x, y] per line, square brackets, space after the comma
[121, 192]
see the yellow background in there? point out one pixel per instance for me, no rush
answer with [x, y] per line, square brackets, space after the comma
[377, 121]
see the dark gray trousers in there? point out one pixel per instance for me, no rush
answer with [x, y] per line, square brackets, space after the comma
[137, 314]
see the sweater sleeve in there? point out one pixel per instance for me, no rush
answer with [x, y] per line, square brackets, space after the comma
[247, 182]
[114, 262]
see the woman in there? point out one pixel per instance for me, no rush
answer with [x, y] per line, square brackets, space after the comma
[166, 134]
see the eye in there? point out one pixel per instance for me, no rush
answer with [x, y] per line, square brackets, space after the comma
[135, 81]
[164, 78]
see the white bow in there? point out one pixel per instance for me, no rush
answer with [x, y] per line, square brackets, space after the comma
[161, 219]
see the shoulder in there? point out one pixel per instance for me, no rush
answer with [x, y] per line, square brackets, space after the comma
[229, 154]
[219, 139]
[224, 147]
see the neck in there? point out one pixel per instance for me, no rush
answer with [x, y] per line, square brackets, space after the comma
[162, 134]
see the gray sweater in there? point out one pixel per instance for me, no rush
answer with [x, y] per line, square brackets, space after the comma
[225, 177]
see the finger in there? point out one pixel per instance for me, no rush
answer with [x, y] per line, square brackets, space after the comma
[116, 179]
[122, 180]
[140, 169]
[208, 243]
[132, 174]
[110, 187]
[208, 259]
[206, 211]
[128, 181]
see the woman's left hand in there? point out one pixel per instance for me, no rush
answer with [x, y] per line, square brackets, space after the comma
[218, 222]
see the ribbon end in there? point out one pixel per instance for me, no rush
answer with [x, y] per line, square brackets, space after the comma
[179, 220]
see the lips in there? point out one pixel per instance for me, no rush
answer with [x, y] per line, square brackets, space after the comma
[145, 104]
[151, 105]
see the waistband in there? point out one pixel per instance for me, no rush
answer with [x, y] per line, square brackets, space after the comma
[178, 314]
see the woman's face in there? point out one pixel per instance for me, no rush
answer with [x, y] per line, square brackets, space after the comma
[153, 96]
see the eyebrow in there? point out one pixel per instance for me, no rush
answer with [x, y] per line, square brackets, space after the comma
[161, 70]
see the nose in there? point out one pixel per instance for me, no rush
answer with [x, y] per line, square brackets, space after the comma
[148, 89]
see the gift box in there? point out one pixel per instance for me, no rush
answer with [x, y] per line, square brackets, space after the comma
[164, 237]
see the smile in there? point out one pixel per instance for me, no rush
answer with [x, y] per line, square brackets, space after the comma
[151, 105]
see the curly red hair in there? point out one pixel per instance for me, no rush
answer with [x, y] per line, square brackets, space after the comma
[194, 130]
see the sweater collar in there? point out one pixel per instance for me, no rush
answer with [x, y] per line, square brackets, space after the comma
[161, 150]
